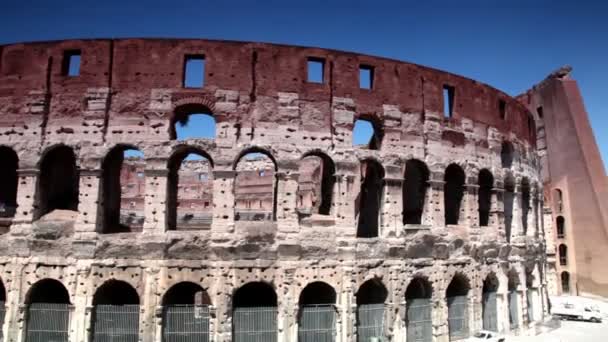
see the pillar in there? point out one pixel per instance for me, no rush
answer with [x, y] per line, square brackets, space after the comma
[223, 201]
[286, 199]
[89, 197]
[155, 201]
[26, 206]
[392, 207]
[470, 214]
[434, 207]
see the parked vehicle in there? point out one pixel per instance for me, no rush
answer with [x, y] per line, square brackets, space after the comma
[568, 310]
[486, 336]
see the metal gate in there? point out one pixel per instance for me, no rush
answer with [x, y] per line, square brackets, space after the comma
[317, 323]
[255, 324]
[532, 293]
[116, 323]
[186, 323]
[489, 311]
[370, 322]
[513, 316]
[457, 317]
[419, 322]
[47, 322]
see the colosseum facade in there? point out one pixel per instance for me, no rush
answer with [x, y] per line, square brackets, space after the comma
[430, 232]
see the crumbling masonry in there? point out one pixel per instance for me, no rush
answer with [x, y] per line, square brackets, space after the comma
[429, 233]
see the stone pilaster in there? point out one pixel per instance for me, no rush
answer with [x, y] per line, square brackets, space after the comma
[344, 204]
[392, 207]
[434, 208]
[223, 200]
[470, 217]
[26, 206]
[287, 188]
[88, 203]
[155, 201]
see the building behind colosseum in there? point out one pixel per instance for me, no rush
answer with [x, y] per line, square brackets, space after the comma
[432, 231]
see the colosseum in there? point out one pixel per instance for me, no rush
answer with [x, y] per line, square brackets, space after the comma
[279, 227]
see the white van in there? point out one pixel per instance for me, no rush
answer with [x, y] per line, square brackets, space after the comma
[570, 310]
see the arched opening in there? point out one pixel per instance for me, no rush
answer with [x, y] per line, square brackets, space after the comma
[506, 154]
[370, 311]
[565, 278]
[255, 187]
[513, 299]
[123, 190]
[486, 183]
[367, 134]
[525, 204]
[317, 314]
[508, 197]
[9, 163]
[453, 192]
[186, 313]
[370, 199]
[58, 181]
[563, 254]
[254, 313]
[315, 184]
[115, 312]
[48, 312]
[190, 190]
[489, 307]
[192, 121]
[415, 185]
[558, 200]
[419, 318]
[560, 223]
[458, 313]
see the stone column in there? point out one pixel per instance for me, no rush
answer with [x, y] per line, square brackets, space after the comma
[26, 206]
[497, 213]
[89, 197]
[346, 306]
[13, 319]
[344, 204]
[223, 201]
[439, 316]
[471, 205]
[148, 305]
[155, 201]
[434, 208]
[287, 188]
[81, 316]
[516, 222]
[392, 207]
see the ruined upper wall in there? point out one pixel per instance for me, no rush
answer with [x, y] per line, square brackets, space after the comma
[141, 70]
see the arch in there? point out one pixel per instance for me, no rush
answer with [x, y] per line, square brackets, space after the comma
[489, 303]
[9, 163]
[371, 297]
[453, 192]
[183, 112]
[254, 313]
[115, 312]
[317, 314]
[415, 187]
[525, 203]
[367, 132]
[457, 302]
[190, 168]
[563, 254]
[418, 317]
[506, 154]
[255, 185]
[58, 181]
[122, 181]
[565, 282]
[558, 200]
[561, 225]
[369, 200]
[484, 198]
[316, 179]
[185, 313]
[508, 198]
[48, 311]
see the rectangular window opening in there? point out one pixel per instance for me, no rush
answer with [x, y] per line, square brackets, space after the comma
[366, 77]
[448, 101]
[194, 71]
[539, 111]
[315, 70]
[71, 63]
[502, 108]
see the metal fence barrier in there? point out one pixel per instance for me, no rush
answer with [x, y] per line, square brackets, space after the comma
[457, 317]
[419, 321]
[513, 315]
[255, 324]
[317, 323]
[490, 321]
[47, 322]
[370, 322]
[186, 323]
[116, 323]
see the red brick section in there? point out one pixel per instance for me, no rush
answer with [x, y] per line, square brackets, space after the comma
[132, 67]
[574, 165]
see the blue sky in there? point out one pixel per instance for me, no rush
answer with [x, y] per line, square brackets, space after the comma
[508, 44]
